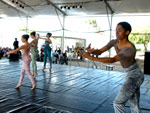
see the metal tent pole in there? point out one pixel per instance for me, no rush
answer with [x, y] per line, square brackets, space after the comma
[111, 21]
[27, 24]
[63, 35]
[62, 24]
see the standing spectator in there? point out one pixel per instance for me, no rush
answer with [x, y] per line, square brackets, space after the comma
[68, 48]
[61, 58]
[55, 57]
[16, 44]
[41, 56]
[81, 58]
[65, 59]
[59, 51]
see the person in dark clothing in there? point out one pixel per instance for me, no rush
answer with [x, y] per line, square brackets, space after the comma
[16, 44]
[59, 51]
[65, 59]
[61, 58]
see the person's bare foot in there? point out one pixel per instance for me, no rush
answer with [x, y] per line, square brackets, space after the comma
[50, 69]
[33, 86]
[35, 74]
[18, 85]
[43, 68]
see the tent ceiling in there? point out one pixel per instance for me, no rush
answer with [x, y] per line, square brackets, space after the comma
[89, 7]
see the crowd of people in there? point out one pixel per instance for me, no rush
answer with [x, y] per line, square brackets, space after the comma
[3, 51]
[59, 57]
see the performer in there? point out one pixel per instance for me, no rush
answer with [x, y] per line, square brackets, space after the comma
[47, 50]
[26, 61]
[126, 52]
[34, 53]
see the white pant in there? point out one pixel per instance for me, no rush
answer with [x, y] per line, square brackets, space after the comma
[130, 90]
[26, 68]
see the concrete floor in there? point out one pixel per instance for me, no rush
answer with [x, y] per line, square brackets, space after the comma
[66, 89]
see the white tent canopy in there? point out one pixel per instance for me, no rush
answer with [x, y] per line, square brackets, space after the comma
[69, 8]
[88, 7]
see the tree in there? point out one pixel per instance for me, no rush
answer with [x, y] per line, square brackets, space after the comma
[27, 30]
[93, 24]
[140, 38]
